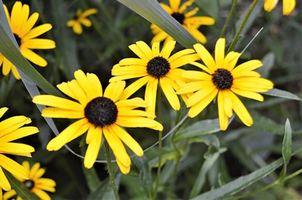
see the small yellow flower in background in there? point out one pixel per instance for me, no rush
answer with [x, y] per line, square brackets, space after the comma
[288, 5]
[154, 66]
[186, 19]
[35, 183]
[222, 78]
[81, 18]
[99, 114]
[22, 27]
[11, 129]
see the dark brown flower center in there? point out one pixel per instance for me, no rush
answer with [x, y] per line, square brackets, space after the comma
[222, 78]
[29, 184]
[101, 111]
[18, 39]
[179, 17]
[158, 67]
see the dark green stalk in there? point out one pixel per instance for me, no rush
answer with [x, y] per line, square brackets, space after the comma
[229, 18]
[236, 37]
[112, 181]
[160, 135]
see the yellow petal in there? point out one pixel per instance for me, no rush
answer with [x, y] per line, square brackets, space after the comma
[57, 102]
[269, 5]
[127, 139]
[241, 111]
[167, 49]
[13, 167]
[166, 85]
[37, 31]
[131, 89]
[117, 147]
[63, 113]
[174, 4]
[33, 57]
[219, 53]
[206, 57]
[114, 90]
[223, 118]
[288, 6]
[19, 133]
[150, 95]
[38, 44]
[4, 184]
[93, 149]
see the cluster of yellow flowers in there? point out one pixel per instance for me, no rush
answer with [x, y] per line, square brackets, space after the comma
[104, 112]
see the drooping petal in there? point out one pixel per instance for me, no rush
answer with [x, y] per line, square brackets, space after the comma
[13, 167]
[150, 94]
[33, 57]
[288, 6]
[166, 85]
[93, 149]
[4, 184]
[127, 139]
[223, 118]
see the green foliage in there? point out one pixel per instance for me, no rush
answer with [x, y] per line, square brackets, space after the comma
[199, 161]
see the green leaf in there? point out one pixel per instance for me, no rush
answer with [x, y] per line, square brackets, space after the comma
[206, 166]
[283, 94]
[20, 188]
[286, 148]
[145, 176]
[239, 184]
[9, 48]
[92, 178]
[104, 190]
[203, 127]
[152, 11]
[268, 61]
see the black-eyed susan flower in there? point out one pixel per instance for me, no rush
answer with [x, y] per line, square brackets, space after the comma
[100, 114]
[288, 5]
[154, 67]
[22, 27]
[11, 129]
[221, 78]
[35, 183]
[81, 18]
[186, 19]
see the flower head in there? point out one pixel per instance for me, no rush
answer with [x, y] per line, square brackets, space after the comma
[81, 18]
[186, 19]
[152, 67]
[34, 183]
[288, 5]
[99, 114]
[222, 78]
[22, 27]
[11, 129]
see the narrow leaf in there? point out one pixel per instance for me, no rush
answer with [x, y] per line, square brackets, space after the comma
[206, 166]
[286, 148]
[152, 11]
[239, 184]
[203, 127]
[283, 94]
[20, 188]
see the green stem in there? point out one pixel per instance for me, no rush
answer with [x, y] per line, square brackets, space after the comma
[229, 18]
[112, 181]
[160, 135]
[236, 37]
[269, 186]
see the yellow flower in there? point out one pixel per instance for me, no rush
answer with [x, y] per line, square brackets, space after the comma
[154, 67]
[79, 19]
[35, 183]
[22, 27]
[187, 20]
[288, 5]
[99, 114]
[10, 129]
[222, 78]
